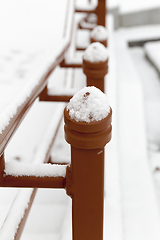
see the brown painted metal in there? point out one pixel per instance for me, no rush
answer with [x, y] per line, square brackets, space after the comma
[85, 176]
[101, 13]
[104, 42]
[95, 73]
[2, 166]
[64, 64]
[85, 11]
[33, 182]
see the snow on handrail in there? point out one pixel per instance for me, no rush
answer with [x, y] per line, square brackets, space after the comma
[12, 115]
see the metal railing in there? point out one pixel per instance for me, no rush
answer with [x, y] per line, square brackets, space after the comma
[87, 224]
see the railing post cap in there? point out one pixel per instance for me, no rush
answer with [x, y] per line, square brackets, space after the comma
[87, 135]
[99, 34]
[95, 61]
[95, 53]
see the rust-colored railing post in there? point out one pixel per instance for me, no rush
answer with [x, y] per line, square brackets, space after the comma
[95, 65]
[101, 12]
[99, 34]
[2, 166]
[85, 176]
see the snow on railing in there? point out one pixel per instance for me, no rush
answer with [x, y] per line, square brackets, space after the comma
[38, 170]
[95, 65]
[42, 175]
[36, 84]
[11, 117]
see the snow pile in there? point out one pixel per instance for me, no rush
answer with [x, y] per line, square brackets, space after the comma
[96, 52]
[39, 170]
[99, 33]
[88, 105]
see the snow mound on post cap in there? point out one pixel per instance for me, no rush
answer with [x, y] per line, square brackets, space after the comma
[96, 52]
[99, 33]
[88, 105]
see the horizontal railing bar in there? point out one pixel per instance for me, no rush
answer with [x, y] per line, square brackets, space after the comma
[85, 11]
[56, 98]
[66, 64]
[80, 48]
[34, 182]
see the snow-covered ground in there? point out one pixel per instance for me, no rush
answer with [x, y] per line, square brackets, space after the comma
[132, 157]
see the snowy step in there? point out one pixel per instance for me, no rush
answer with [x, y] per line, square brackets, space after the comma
[139, 205]
[47, 214]
[6, 199]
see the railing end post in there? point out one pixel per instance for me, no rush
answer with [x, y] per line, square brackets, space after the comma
[85, 175]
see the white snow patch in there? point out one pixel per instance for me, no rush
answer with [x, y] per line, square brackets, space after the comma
[88, 105]
[99, 33]
[57, 91]
[96, 52]
[39, 170]
[15, 214]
